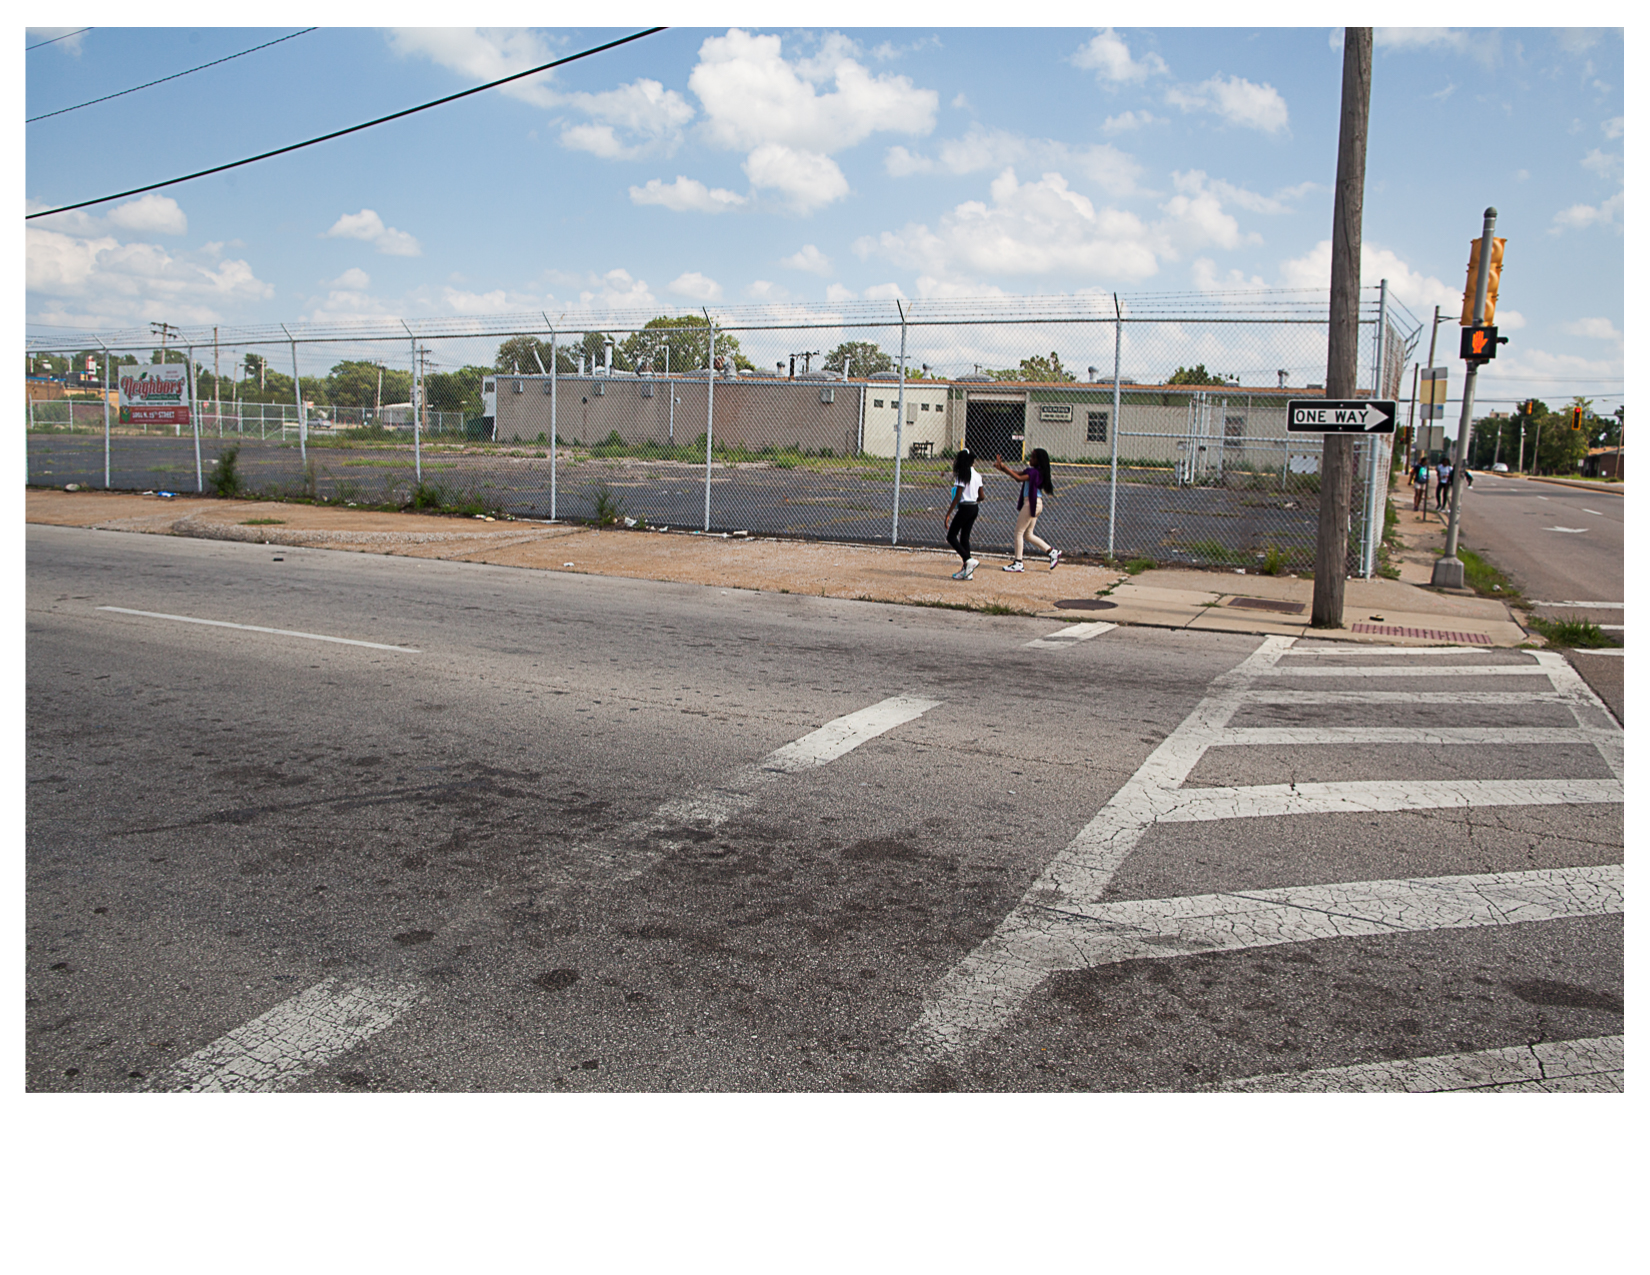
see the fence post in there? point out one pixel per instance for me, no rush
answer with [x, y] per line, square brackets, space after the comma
[552, 421]
[195, 417]
[899, 420]
[298, 398]
[105, 416]
[710, 410]
[418, 451]
[1116, 423]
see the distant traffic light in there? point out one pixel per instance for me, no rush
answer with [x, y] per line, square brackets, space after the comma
[1575, 417]
[1498, 249]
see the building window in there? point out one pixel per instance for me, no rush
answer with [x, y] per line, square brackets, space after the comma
[876, 402]
[1234, 431]
[1097, 426]
[925, 407]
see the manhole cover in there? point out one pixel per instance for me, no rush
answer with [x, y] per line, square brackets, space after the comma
[1085, 604]
[1268, 604]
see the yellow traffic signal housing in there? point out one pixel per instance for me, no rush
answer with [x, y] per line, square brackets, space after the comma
[1498, 248]
[1575, 417]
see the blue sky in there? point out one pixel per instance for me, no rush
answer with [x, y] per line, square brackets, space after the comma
[730, 166]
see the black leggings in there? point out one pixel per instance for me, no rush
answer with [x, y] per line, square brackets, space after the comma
[962, 523]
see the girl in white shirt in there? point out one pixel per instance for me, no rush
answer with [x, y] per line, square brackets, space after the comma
[965, 505]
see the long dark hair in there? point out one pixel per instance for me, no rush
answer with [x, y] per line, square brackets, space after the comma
[963, 465]
[1039, 462]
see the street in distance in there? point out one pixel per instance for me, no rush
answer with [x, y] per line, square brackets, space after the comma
[1342, 415]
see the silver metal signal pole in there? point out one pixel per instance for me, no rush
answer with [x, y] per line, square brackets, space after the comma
[1373, 524]
[1449, 572]
[899, 421]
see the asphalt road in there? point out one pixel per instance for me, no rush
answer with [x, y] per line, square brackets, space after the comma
[562, 832]
[1559, 545]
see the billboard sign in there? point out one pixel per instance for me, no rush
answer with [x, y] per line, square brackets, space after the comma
[155, 395]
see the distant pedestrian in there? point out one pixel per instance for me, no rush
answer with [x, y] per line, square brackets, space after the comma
[1446, 474]
[1418, 479]
[1035, 482]
[965, 507]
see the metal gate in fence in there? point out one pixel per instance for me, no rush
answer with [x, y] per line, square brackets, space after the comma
[1163, 418]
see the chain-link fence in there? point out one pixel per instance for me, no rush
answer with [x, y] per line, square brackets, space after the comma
[1164, 418]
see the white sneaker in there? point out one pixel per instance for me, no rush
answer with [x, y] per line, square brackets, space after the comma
[971, 563]
[968, 571]
[1053, 559]
[960, 575]
[1016, 565]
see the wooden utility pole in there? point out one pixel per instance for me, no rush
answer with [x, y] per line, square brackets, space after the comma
[1341, 382]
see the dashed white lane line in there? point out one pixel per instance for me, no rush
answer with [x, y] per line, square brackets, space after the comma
[641, 844]
[982, 992]
[1594, 512]
[293, 1039]
[1071, 635]
[1593, 1065]
[258, 628]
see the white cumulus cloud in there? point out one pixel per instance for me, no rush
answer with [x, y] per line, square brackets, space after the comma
[369, 227]
[807, 179]
[695, 287]
[481, 54]
[686, 195]
[646, 112]
[1593, 329]
[1127, 122]
[1235, 100]
[1581, 216]
[752, 96]
[1420, 292]
[153, 214]
[1108, 56]
[837, 293]
[808, 258]
[983, 149]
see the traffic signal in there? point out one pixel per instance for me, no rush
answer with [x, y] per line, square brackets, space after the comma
[1478, 343]
[1497, 249]
[1575, 417]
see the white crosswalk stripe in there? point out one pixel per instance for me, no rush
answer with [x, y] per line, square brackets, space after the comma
[1594, 1065]
[1062, 922]
[1071, 635]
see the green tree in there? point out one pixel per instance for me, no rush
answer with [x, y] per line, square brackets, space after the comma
[458, 391]
[861, 357]
[1036, 368]
[1198, 375]
[686, 337]
[355, 383]
[1561, 449]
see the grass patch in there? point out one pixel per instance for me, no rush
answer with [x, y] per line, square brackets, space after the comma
[1574, 633]
[1485, 578]
[979, 608]
[1272, 564]
[1134, 566]
[264, 522]
[225, 478]
[609, 508]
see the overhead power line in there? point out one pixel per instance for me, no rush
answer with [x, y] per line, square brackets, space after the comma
[164, 78]
[31, 48]
[327, 137]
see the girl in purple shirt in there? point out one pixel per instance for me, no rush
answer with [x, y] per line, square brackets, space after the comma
[1035, 483]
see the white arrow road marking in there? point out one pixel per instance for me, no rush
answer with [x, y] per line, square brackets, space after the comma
[1594, 1065]
[258, 628]
[684, 819]
[1572, 530]
[1071, 635]
[1060, 923]
[293, 1039]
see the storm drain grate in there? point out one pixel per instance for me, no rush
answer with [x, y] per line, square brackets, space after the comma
[1431, 635]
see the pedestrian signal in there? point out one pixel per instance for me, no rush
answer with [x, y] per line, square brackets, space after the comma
[1497, 249]
[1478, 343]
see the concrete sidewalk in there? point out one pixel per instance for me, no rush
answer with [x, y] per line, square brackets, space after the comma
[1379, 611]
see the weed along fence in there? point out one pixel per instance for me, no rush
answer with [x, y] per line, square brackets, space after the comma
[1164, 417]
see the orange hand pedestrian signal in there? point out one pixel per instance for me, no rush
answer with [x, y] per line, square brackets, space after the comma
[1478, 343]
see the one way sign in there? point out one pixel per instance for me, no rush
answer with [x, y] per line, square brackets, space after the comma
[1342, 416]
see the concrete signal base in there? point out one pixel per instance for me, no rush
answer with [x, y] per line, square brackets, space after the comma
[1449, 573]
